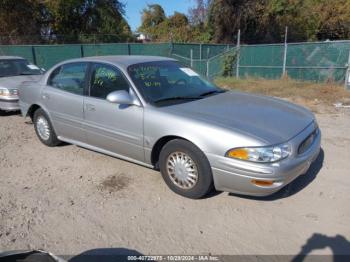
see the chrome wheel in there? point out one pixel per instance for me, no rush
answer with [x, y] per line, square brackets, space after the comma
[43, 128]
[182, 170]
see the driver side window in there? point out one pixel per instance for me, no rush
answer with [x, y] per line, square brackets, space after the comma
[106, 79]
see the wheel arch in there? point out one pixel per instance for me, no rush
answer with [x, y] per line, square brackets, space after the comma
[161, 142]
[32, 109]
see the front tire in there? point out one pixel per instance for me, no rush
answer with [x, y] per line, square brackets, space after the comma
[43, 128]
[185, 169]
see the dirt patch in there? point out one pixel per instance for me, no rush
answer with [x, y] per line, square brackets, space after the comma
[49, 199]
[115, 183]
[309, 94]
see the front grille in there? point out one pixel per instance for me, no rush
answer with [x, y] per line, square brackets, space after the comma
[307, 142]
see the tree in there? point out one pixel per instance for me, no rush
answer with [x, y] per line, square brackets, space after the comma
[152, 16]
[180, 28]
[333, 19]
[178, 20]
[226, 17]
[103, 17]
[264, 21]
[88, 20]
[65, 17]
[296, 14]
[308, 20]
[162, 28]
[198, 14]
[20, 18]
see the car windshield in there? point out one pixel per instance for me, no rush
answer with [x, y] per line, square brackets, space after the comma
[16, 67]
[167, 82]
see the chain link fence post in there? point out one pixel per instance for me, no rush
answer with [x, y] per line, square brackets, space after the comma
[347, 74]
[191, 56]
[285, 52]
[34, 55]
[238, 52]
[129, 48]
[207, 63]
[208, 68]
[171, 48]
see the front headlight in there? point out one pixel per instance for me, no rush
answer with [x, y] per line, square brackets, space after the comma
[4, 92]
[260, 154]
[8, 92]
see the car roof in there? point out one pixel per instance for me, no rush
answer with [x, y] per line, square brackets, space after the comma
[122, 60]
[5, 57]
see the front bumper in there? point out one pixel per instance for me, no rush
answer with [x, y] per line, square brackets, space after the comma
[9, 104]
[236, 176]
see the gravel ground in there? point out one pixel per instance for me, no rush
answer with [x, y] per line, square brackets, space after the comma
[68, 200]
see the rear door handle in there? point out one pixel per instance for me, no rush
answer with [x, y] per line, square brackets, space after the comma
[90, 107]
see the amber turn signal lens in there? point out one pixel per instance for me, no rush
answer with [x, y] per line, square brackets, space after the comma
[262, 182]
[239, 153]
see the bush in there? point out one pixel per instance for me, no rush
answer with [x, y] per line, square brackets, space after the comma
[228, 64]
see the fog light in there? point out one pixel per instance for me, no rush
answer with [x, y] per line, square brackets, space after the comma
[262, 182]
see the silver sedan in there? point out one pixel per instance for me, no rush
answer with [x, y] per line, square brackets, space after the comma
[154, 112]
[13, 71]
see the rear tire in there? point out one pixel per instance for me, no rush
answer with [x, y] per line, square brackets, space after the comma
[185, 169]
[43, 128]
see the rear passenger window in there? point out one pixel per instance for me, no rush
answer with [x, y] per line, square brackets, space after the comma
[106, 79]
[69, 77]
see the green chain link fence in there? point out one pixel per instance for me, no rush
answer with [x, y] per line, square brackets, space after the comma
[317, 61]
[261, 61]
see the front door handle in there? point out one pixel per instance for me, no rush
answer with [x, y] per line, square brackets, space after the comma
[45, 96]
[90, 107]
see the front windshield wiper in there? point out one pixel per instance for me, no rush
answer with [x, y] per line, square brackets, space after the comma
[177, 98]
[27, 74]
[211, 92]
[189, 97]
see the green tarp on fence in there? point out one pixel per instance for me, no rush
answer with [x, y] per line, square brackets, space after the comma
[319, 61]
[15, 50]
[49, 55]
[104, 49]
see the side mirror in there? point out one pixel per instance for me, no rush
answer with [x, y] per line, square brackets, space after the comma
[120, 97]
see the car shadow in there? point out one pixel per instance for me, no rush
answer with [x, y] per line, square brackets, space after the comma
[9, 113]
[105, 255]
[294, 187]
[211, 194]
[339, 245]
[94, 255]
[63, 144]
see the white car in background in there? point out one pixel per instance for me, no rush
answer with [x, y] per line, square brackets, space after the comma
[13, 71]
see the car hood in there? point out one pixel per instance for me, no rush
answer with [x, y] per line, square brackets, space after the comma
[268, 119]
[15, 81]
